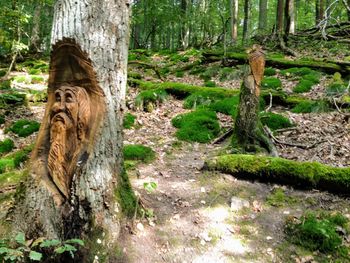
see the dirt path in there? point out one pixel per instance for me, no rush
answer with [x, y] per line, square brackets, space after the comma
[202, 216]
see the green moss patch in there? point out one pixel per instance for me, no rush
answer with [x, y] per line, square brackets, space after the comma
[34, 79]
[179, 74]
[226, 106]
[11, 178]
[12, 98]
[134, 75]
[275, 121]
[198, 126]
[201, 98]
[311, 106]
[297, 71]
[138, 152]
[271, 83]
[209, 83]
[319, 232]
[270, 71]
[125, 195]
[6, 146]
[299, 174]
[226, 73]
[128, 120]
[36, 96]
[24, 128]
[5, 84]
[279, 198]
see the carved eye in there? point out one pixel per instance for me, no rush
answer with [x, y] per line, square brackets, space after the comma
[57, 97]
[69, 98]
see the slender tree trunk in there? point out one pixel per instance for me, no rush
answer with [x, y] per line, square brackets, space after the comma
[234, 19]
[73, 189]
[246, 21]
[279, 17]
[262, 15]
[320, 7]
[35, 36]
[289, 18]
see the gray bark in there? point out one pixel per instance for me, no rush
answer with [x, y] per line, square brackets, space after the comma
[234, 20]
[101, 29]
[262, 15]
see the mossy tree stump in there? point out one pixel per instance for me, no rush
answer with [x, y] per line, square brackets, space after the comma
[248, 132]
[77, 164]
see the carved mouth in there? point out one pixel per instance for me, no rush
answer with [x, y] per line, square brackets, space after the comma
[62, 117]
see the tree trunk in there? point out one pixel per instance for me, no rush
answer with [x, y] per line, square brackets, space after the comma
[35, 36]
[74, 187]
[289, 18]
[245, 21]
[262, 15]
[234, 19]
[248, 133]
[319, 10]
[279, 17]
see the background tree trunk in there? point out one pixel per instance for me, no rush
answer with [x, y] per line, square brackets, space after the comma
[262, 15]
[89, 50]
[279, 17]
[234, 19]
[245, 21]
[35, 36]
[289, 18]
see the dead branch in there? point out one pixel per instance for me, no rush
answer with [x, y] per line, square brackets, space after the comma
[270, 105]
[223, 137]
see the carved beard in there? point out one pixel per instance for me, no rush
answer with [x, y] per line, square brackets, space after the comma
[63, 143]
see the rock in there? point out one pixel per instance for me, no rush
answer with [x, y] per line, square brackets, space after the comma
[238, 203]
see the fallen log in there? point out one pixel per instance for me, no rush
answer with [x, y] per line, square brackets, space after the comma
[302, 175]
[327, 66]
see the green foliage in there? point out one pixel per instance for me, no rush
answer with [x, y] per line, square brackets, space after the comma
[138, 152]
[134, 75]
[5, 84]
[270, 71]
[2, 73]
[22, 79]
[2, 119]
[304, 85]
[179, 58]
[198, 126]
[14, 160]
[179, 74]
[317, 232]
[226, 106]
[36, 79]
[6, 146]
[271, 83]
[311, 106]
[275, 121]
[335, 89]
[22, 250]
[226, 73]
[36, 96]
[197, 70]
[34, 71]
[150, 186]
[209, 83]
[12, 98]
[337, 79]
[128, 120]
[24, 128]
[278, 170]
[279, 198]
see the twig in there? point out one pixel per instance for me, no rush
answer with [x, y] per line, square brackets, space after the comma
[270, 106]
[303, 146]
[286, 129]
[223, 137]
[336, 105]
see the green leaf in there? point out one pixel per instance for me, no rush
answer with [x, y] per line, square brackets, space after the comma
[38, 241]
[65, 248]
[75, 241]
[50, 243]
[36, 256]
[150, 187]
[20, 238]
[4, 250]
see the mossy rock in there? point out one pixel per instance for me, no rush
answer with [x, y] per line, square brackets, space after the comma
[197, 126]
[150, 97]
[6, 146]
[319, 232]
[138, 152]
[24, 128]
[201, 98]
[270, 71]
[271, 83]
[308, 106]
[304, 175]
[275, 121]
[128, 120]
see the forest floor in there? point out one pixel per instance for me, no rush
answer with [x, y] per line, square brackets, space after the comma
[194, 215]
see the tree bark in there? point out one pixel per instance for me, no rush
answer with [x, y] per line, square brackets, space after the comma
[262, 15]
[245, 21]
[319, 10]
[289, 18]
[279, 17]
[234, 19]
[35, 36]
[74, 194]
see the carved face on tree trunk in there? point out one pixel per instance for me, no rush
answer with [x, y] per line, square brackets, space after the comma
[69, 122]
